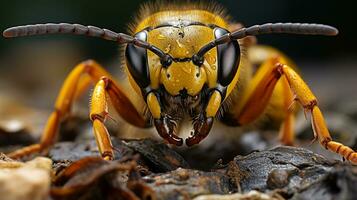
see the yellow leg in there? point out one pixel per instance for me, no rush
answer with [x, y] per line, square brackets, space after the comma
[253, 108]
[286, 133]
[309, 103]
[98, 114]
[74, 85]
[258, 93]
[266, 85]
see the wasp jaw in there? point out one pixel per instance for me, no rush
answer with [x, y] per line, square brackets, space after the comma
[202, 126]
[166, 129]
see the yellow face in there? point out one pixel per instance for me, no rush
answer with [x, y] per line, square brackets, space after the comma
[181, 44]
[183, 76]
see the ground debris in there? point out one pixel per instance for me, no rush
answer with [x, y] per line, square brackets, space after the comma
[151, 155]
[188, 183]
[148, 169]
[94, 178]
[294, 173]
[161, 157]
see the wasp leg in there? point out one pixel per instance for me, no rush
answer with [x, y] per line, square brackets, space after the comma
[99, 112]
[282, 97]
[258, 94]
[75, 84]
[261, 95]
[286, 133]
[309, 102]
[264, 89]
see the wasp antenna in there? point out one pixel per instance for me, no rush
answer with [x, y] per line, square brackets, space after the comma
[289, 28]
[271, 28]
[61, 28]
[78, 29]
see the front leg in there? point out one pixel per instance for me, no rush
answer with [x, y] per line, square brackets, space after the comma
[99, 113]
[75, 84]
[256, 100]
[309, 103]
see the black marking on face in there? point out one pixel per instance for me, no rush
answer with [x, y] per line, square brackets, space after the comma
[228, 58]
[137, 61]
[221, 89]
[186, 59]
[178, 24]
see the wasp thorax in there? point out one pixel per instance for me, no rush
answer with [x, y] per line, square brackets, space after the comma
[183, 76]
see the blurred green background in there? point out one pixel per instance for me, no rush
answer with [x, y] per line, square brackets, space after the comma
[36, 66]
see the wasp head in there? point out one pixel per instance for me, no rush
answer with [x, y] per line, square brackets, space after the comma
[183, 82]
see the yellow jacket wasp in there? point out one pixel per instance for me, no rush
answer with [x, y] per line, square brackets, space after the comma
[188, 61]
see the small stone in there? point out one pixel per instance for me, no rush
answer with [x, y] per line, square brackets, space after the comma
[30, 180]
[277, 178]
[252, 195]
[182, 174]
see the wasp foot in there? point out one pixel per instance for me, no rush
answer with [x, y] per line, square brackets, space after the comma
[165, 126]
[201, 126]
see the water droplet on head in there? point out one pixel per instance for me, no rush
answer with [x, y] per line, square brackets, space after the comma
[161, 37]
[168, 48]
[211, 60]
[179, 44]
[187, 70]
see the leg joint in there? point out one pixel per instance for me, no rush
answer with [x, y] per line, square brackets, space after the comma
[311, 104]
[325, 142]
[107, 155]
[100, 117]
[106, 81]
[279, 70]
[88, 65]
[58, 111]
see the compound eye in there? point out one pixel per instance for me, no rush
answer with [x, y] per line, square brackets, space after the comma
[137, 61]
[228, 58]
